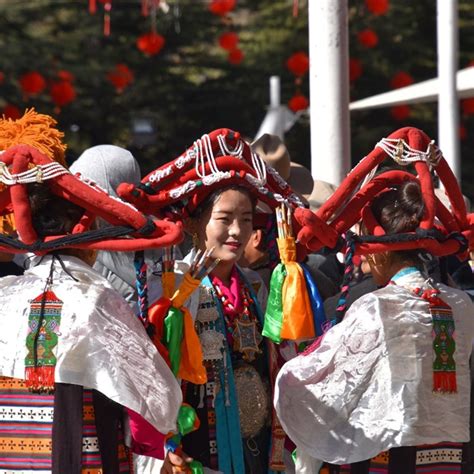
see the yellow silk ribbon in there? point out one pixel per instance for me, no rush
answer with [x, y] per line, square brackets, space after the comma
[298, 321]
[191, 367]
[167, 280]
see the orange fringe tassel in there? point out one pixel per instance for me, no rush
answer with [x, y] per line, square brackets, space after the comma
[40, 379]
[444, 382]
[37, 130]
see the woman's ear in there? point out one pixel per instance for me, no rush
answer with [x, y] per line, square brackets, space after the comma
[257, 238]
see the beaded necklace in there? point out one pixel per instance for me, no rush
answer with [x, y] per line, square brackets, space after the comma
[241, 326]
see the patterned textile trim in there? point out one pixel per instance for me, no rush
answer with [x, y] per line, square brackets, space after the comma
[379, 464]
[26, 421]
[445, 458]
[91, 460]
[211, 416]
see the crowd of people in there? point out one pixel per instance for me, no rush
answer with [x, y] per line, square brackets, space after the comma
[227, 314]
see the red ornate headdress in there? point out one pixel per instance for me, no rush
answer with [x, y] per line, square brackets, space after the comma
[131, 230]
[217, 159]
[441, 231]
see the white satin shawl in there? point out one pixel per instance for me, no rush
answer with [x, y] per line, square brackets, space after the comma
[102, 345]
[368, 387]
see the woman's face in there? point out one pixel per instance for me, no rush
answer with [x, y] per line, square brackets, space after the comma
[227, 226]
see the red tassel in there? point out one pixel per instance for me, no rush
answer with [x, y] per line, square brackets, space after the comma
[92, 6]
[40, 379]
[444, 382]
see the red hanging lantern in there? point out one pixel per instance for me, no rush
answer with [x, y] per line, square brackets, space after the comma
[150, 43]
[65, 75]
[62, 93]
[401, 79]
[468, 106]
[298, 102]
[298, 63]
[121, 77]
[236, 56]
[400, 112]
[222, 7]
[229, 40]
[11, 112]
[368, 38]
[377, 7]
[32, 83]
[355, 69]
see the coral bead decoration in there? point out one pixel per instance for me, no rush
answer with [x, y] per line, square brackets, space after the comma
[400, 112]
[368, 38]
[298, 102]
[229, 40]
[11, 112]
[298, 63]
[377, 7]
[32, 83]
[222, 7]
[150, 43]
[120, 77]
[62, 93]
[355, 69]
[401, 79]
[236, 56]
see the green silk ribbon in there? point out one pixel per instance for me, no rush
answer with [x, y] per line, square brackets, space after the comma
[188, 422]
[172, 337]
[274, 312]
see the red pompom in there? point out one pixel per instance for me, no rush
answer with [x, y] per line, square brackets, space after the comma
[62, 93]
[377, 7]
[468, 106]
[368, 38]
[32, 83]
[400, 112]
[121, 76]
[401, 79]
[298, 102]
[355, 69]
[229, 40]
[222, 7]
[236, 56]
[150, 43]
[11, 112]
[298, 63]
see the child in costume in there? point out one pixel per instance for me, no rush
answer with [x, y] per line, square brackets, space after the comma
[76, 366]
[387, 389]
[215, 186]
